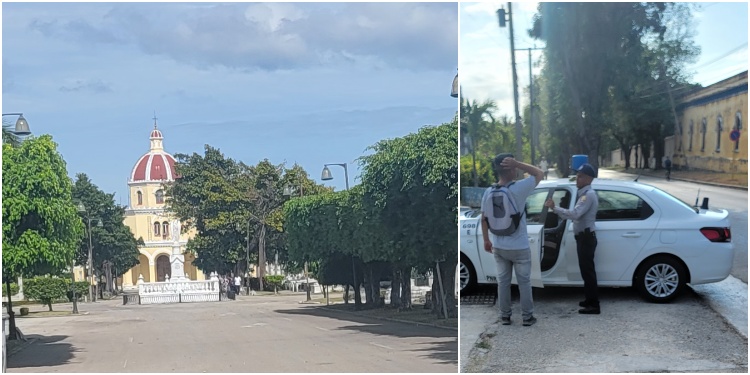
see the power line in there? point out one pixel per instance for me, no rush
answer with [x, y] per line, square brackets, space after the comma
[733, 50]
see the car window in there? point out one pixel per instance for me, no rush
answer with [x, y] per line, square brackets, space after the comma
[535, 203]
[619, 205]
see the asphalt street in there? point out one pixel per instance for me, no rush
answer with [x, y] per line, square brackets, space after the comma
[254, 334]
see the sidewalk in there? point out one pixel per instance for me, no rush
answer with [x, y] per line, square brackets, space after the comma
[735, 181]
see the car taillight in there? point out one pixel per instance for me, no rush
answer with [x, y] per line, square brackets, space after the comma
[717, 234]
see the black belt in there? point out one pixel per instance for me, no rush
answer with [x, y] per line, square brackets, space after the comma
[586, 232]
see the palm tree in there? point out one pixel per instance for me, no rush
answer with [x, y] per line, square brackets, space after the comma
[476, 121]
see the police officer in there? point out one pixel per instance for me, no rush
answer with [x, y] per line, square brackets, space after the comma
[583, 215]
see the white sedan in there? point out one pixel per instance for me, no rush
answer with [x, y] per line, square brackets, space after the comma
[647, 239]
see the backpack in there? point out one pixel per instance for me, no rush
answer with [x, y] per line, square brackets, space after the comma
[505, 218]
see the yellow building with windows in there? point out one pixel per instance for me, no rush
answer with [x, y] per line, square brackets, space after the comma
[147, 218]
[707, 117]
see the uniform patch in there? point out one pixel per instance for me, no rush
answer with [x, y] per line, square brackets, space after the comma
[583, 198]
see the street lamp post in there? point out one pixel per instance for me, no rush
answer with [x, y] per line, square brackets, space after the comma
[82, 209]
[289, 191]
[22, 127]
[325, 176]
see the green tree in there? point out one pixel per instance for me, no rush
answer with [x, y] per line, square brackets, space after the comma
[9, 135]
[410, 184]
[45, 289]
[114, 248]
[476, 123]
[41, 228]
[609, 72]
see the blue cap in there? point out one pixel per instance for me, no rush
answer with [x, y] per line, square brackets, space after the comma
[587, 169]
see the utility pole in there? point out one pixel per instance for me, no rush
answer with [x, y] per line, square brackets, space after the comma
[501, 18]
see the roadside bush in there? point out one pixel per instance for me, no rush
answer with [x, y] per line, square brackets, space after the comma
[45, 289]
[13, 289]
[274, 282]
[81, 287]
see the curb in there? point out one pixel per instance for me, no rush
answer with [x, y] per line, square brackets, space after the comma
[391, 319]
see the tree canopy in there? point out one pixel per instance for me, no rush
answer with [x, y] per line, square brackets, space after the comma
[41, 227]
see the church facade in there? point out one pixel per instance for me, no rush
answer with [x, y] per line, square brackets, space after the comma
[147, 218]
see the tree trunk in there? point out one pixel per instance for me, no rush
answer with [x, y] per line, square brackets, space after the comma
[406, 288]
[448, 275]
[12, 334]
[261, 256]
[346, 294]
[108, 274]
[369, 301]
[474, 167]
[375, 292]
[357, 283]
[396, 288]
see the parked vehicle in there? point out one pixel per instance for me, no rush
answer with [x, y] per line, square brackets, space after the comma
[647, 239]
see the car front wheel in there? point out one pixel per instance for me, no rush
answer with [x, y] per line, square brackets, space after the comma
[467, 275]
[660, 279]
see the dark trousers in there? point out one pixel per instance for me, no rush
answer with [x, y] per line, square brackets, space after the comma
[586, 245]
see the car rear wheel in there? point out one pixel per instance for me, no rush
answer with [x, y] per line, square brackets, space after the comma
[467, 275]
[660, 279]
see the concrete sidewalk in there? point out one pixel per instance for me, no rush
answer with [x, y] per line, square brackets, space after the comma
[475, 321]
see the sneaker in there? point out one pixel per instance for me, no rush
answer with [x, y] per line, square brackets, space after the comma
[588, 310]
[505, 320]
[529, 321]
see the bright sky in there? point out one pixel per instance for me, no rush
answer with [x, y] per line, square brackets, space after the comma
[720, 29]
[290, 82]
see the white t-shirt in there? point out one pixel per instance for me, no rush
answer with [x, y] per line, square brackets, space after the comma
[543, 166]
[237, 280]
[518, 240]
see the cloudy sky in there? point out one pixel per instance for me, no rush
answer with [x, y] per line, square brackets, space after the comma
[720, 29]
[290, 82]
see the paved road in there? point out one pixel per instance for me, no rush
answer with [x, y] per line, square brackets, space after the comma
[257, 334]
[629, 336]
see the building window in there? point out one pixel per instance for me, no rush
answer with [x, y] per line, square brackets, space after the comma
[159, 197]
[719, 127]
[165, 229]
[703, 135]
[140, 198]
[738, 127]
[690, 134]
[156, 228]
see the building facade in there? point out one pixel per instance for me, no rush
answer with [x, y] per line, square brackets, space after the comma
[707, 117]
[147, 217]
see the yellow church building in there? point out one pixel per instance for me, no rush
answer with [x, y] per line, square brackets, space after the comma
[147, 218]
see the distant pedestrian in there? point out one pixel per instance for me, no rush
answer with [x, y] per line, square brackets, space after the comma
[544, 167]
[237, 284]
[668, 167]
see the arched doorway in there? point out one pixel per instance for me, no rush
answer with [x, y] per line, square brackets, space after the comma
[162, 267]
[140, 269]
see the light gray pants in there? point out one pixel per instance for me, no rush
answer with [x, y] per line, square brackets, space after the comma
[520, 260]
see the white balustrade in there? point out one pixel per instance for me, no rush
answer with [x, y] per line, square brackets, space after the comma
[178, 291]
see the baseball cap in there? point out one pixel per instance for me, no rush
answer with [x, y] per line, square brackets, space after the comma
[587, 169]
[499, 159]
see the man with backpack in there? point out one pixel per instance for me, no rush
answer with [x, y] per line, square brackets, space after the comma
[504, 232]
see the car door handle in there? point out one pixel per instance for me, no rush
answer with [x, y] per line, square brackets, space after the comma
[631, 235]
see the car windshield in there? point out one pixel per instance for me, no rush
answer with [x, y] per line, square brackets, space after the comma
[673, 198]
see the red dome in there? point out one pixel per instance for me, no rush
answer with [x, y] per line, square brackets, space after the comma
[154, 166]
